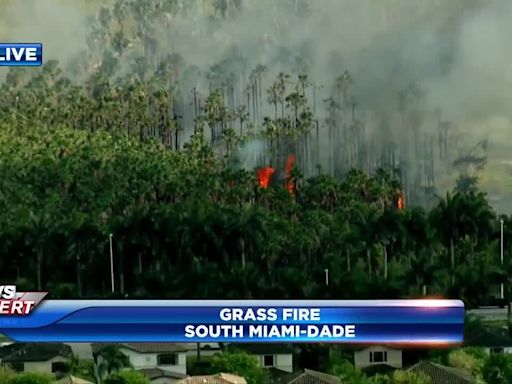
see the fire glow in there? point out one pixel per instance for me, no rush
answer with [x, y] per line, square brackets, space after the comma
[264, 175]
[290, 163]
[400, 202]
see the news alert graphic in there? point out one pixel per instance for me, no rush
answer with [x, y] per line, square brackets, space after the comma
[13, 303]
[416, 322]
[17, 55]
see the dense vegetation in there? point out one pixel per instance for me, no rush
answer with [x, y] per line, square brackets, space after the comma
[172, 175]
[185, 225]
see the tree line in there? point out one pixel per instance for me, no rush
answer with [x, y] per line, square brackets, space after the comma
[169, 174]
[185, 224]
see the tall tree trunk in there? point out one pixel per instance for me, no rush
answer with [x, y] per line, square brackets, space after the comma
[78, 269]
[452, 261]
[369, 262]
[242, 245]
[121, 273]
[385, 262]
[39, 268]
[509, 315]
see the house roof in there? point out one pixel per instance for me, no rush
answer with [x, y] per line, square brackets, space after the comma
[10, 348]
[37, 352]
[157, 373]
[144, 347]
[278, 376]
[221, 378]
[362, 347]
[313, 377]
[72, 380]
[263, 348]
[439, 374]
[203, 346]
[488, 337]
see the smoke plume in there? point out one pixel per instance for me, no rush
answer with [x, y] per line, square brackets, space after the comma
[458, 51]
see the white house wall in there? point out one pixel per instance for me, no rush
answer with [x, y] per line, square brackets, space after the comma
[283, 362]
[149, 360]
[82, 350]
[43, 366]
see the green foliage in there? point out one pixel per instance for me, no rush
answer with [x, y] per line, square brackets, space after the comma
[498, 369]
[5, 376]
[466, 360]
[127, 377]
[84, 369]
[476, 352]
[30, 378]
[338, 357]
[348, 373]
[380, 379]
[112, 358]
[239, 363]
[203, 366]
[186, 210]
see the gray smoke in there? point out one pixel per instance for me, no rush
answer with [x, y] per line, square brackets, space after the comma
[458, 50]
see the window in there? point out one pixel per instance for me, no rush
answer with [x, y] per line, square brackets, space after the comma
[18, 367]
[58, 367]
[497, 350]
[168, 359]
[268, 360]
[378, 357]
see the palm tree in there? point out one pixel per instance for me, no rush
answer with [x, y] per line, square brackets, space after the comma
[109, 359]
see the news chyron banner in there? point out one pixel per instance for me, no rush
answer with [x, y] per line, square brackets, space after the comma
[26, 317]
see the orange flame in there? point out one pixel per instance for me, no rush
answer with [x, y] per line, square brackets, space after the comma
[290, 163]
[264, 175]
[400, 202]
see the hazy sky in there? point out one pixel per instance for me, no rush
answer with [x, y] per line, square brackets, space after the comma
[458, 49]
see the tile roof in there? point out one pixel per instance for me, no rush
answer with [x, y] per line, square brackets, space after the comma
[313, 377]
[204, 346]
[262, 348]
[36, 352]
[221, 378]
[10, 348]
[439, 374]
[362, 347]
[157, 373]
[278, 376]
[144, 347]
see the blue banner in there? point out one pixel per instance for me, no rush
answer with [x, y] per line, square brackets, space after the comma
[26, 54]
[426, 322]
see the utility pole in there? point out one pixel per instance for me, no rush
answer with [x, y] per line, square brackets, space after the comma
[501, 258]
[111, 263]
